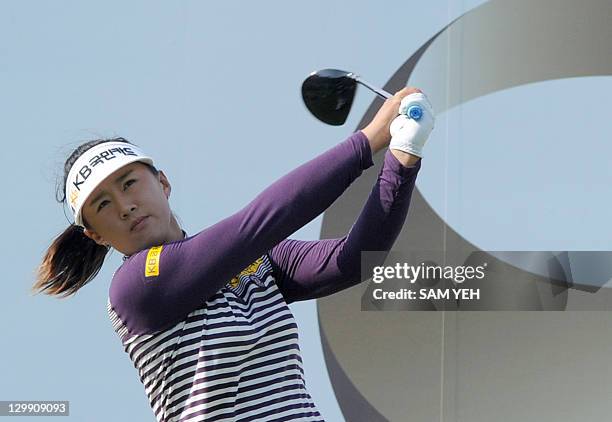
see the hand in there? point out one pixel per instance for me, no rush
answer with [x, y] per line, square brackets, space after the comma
[377, 131]
[409, 133]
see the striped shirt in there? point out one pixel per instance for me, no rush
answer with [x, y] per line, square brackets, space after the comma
[205, 319]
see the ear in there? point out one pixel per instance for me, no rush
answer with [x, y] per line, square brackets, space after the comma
[165, 184]
[95, 237]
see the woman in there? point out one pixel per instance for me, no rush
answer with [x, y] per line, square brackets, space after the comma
[204, 318]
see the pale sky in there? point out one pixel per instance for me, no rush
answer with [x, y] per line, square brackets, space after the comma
[212, 91]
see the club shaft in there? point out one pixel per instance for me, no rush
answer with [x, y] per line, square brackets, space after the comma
[381, 92]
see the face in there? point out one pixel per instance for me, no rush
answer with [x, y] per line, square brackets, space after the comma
[125, 196]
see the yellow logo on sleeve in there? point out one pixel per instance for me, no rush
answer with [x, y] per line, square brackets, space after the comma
[152, 263]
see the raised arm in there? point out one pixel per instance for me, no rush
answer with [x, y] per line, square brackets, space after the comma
[311, 269]
[153, 290]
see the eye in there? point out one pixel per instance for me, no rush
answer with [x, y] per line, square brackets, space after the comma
[129, 183]
[102, 204]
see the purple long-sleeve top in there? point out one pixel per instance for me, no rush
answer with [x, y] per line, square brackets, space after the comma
[205, 319]
[195, 268]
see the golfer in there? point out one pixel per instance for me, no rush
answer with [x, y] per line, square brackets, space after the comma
[204, 318]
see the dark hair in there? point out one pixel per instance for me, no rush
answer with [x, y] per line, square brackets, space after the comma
[73, 259]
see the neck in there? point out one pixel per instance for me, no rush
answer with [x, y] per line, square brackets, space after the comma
[176, 233]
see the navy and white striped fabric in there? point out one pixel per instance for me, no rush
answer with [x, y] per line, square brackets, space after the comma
[236, 358]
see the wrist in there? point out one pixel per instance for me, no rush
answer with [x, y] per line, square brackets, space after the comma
[405, 158]
[376, 139]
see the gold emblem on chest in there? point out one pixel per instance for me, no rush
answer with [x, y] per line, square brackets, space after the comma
[248, 270]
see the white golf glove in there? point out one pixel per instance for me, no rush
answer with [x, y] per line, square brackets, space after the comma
[409, 134]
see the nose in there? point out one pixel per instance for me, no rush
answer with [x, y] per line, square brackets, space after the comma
[126, 209]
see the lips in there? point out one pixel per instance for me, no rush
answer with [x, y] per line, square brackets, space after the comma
[135, 223]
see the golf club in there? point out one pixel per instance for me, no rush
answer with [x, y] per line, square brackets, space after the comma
[329, 93]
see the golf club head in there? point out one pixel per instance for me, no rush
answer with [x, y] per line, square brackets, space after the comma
[329, 94]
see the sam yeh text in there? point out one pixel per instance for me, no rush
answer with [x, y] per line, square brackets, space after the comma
[436, 294]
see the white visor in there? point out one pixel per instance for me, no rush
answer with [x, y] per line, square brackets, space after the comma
[95, 165]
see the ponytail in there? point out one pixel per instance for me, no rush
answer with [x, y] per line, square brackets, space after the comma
[71, 261]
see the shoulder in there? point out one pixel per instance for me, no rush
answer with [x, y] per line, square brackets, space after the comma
[139, 273]
[130, 268]
[136, 288]
[148, 264]
[128, 276]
